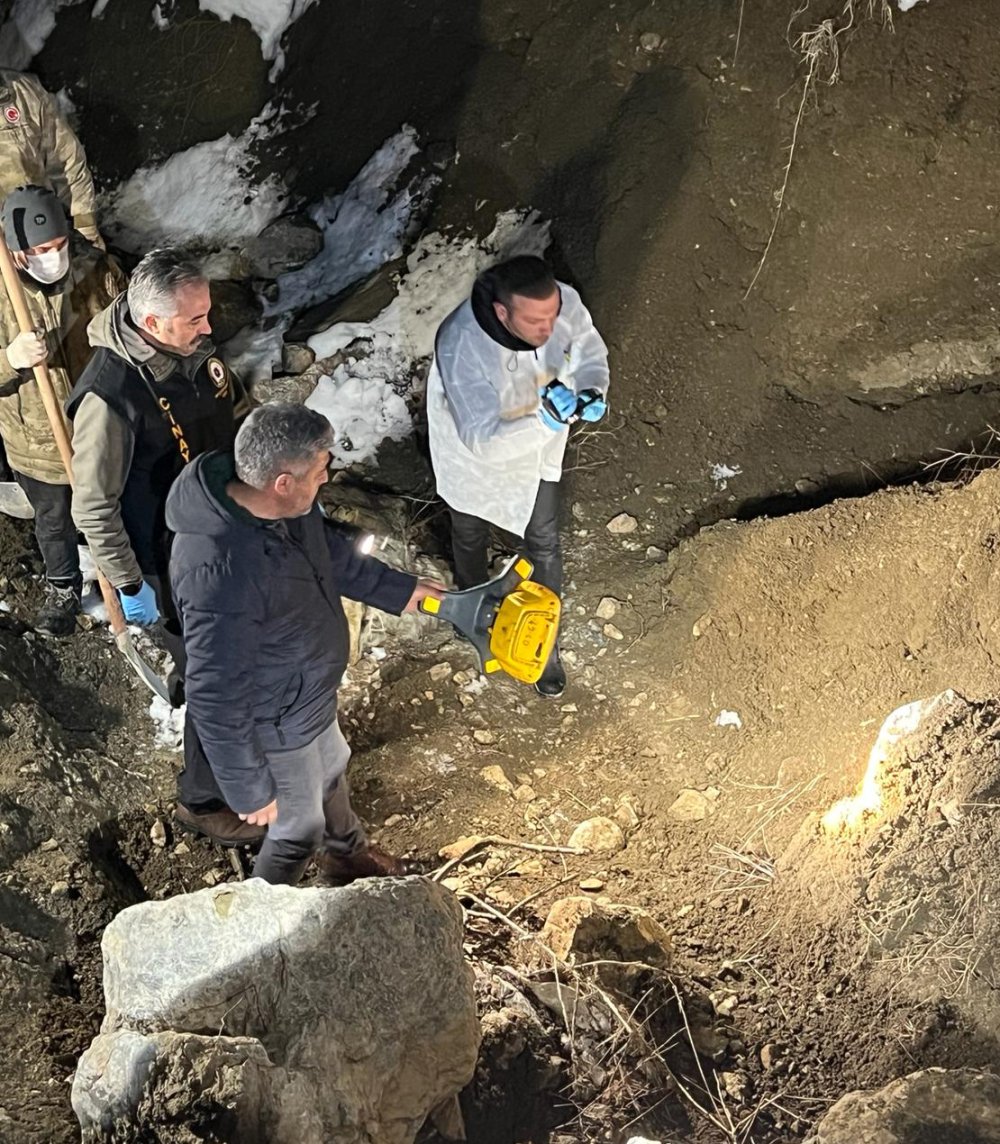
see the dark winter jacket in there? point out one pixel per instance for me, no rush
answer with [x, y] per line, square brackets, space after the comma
[138, 416]
[264, 628]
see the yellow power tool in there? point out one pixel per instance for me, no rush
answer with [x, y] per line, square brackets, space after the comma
[511, 621]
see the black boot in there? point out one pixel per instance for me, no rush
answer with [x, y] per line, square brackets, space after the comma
[552, 682]
[57, 616]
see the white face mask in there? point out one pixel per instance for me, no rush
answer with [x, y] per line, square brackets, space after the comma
[50, 266]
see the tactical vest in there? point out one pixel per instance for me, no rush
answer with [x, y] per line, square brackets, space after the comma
[172, 422]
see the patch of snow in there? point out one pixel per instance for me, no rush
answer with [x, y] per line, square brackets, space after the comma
[363, 227]
[270, 19]
[363, 408]
[364, 398]
[204, 195]
[728, 719]
[169, 722]
[723, 474]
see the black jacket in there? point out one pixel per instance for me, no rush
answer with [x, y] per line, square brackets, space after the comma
[264, 628]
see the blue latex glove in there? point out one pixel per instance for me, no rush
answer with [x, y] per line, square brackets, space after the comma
[563, 400]
[140, 608]
[592, 406]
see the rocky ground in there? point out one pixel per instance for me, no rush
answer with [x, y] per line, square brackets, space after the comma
[729, 673]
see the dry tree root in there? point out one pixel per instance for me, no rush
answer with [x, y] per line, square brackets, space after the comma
[819, 49]
[963, 466]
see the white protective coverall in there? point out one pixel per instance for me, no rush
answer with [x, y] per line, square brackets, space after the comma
[489, 447]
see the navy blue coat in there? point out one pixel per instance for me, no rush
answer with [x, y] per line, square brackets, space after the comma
[265, 632]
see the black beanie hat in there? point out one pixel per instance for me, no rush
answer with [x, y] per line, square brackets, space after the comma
[31, 216]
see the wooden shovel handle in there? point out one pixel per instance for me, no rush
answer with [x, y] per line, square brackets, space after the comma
[15, 292]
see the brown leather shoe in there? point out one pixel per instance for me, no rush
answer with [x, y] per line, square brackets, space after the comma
[371, 862]
[223, 827]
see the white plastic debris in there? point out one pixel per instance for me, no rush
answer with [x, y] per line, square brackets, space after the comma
[723, 474]
[728, 719]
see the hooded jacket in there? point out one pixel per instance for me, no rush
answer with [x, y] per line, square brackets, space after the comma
[62, 310]
[489, 448]
[264, 627]
[38, 146]
[139, 415]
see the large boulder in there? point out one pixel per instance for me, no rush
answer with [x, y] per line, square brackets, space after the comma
[957, 1105]
[306, 1016]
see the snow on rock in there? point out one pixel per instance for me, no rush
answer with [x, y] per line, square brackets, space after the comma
[204, 195]
[26, 29]
[363, 227]
[169, 723]
[362, 407]
[270, 19]
[364, 398]
[254, 353]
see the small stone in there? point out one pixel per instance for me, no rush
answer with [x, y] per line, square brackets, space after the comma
[701, 625]
[484, 737]
[769, 1054]
[440, 671]
[691, 806]
[158, 834]
[592, 885]
[626, 815]
[49, 844]
[212, 877]
[735, 1085]
[805, 487]
[656, 555]
[496, 777]
[59, 889]
[650, 42]
[182, 848]
[579, 512]
[394, 819]
[598, 836]
[622, 524]
[648, 753]
[460, 847]
[607, 609]
[569, 708]
[525, 793]
[612, 632]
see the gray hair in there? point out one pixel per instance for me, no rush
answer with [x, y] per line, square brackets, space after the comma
[156, 281]
[280, 437]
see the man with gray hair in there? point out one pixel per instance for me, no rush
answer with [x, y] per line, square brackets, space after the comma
[258, 574]
[152, 397]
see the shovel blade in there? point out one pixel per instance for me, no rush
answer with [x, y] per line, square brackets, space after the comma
[14, 502]
[140, 666]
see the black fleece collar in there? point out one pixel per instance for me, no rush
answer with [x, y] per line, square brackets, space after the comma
[483, 296]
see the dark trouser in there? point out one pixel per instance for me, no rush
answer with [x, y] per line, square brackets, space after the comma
[314, 808]
[470, 537]
[196, 785]
[54, 528]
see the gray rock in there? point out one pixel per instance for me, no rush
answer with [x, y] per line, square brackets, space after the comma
[360, 302]
[288, 243]
[936, 1104]
[296, 358]
[304, 1015]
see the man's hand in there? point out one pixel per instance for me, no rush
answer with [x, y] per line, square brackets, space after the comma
[558, 406]
[263, 817]
[592, 405]
[27, 350]
[139, 603]
[424, 589]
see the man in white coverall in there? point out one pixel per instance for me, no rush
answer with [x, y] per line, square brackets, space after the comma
[513, 366]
